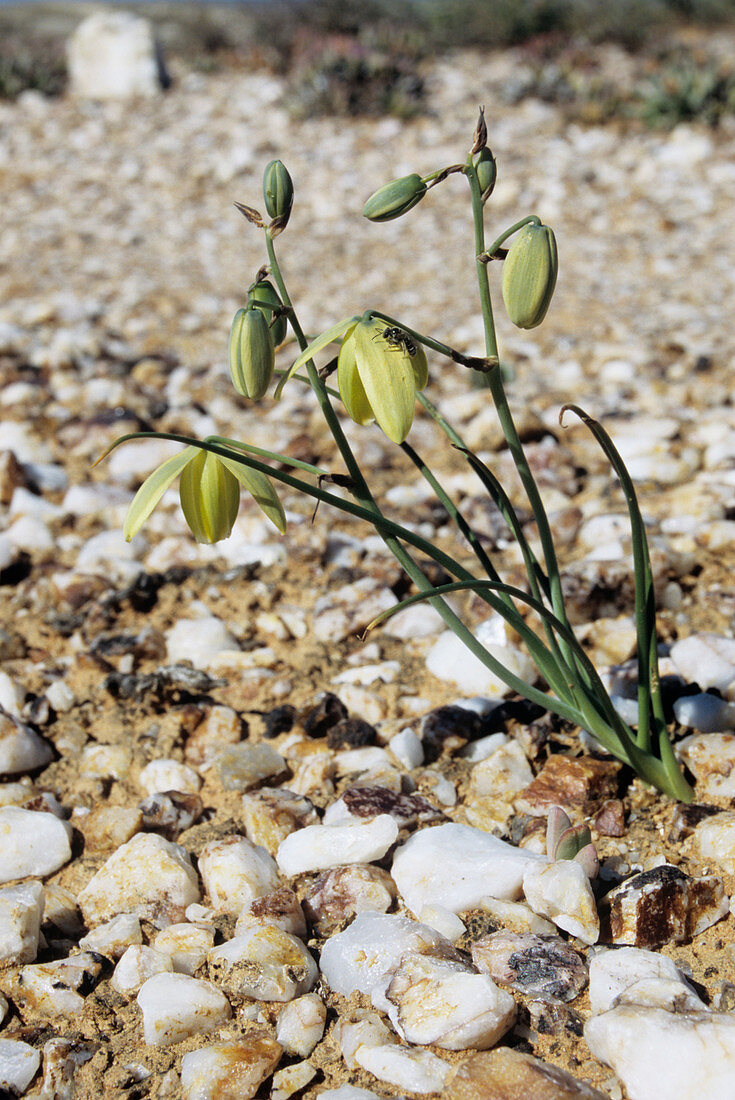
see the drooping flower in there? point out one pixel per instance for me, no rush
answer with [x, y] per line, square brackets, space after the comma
[209, 491]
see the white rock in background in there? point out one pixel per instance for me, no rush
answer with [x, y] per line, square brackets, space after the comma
[113, 938]
[706, 713]
[113, 55]
[450, 660]
[105, 761]
[266, 964]
[448, 1004]
[320, 847]
[407, 748]
[417, 1071]
[612, 972]
[657, 1054]
[19, 1064]
[291, 1080]
[148, 876]
[169, 775]
[706, 659]
[137, 965]
[11, 697]
[516, 916]
[714, 840]
[444, 921]
[32, 843]
[200, 641]
[710, 758]
[229, 1069]
[561, 891]
[348, 1092]
[456, 866]
[21, 912]
[21, 749]
[301, 1025]
[234, 871]
[175, 1006]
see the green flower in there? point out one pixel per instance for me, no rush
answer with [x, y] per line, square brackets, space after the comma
[379, 371]
[209, 491]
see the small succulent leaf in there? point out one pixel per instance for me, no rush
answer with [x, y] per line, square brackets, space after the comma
[331, 334]
[589, 859]
[210, 498]
[351, 389]
[152, 489]
[557, 823]
[387, 375]
[261, 490]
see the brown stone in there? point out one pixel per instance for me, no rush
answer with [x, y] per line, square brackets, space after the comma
[336, 896]
[580, 783]
[660, 906]
[610, 820]
[507, 1074]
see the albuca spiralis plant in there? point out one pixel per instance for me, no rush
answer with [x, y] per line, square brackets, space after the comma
[381, 371]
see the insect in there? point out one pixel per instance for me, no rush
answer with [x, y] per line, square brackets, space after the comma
[396, 338]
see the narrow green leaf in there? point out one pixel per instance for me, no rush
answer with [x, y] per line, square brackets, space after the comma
[152, 489]
[312, 349]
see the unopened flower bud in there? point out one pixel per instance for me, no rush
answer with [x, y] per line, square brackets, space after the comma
[529, 275]
[487, 172]
[252, 356]
[264, 295]
[278, 192]
[210, 497]
[395, 198]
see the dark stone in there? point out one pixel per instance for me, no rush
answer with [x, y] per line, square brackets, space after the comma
[554, 1019]
[351, 733]
[687, 817]
[407, 809]
[448, 728]
[170, 812]
[610, 820]
[279, 720]
[327, 713]
[660, 906]
[544, 968]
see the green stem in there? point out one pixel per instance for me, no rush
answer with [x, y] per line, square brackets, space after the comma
[532, 219]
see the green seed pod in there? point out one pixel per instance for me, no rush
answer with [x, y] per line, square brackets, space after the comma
[210, 497]
[529, 275]
[252, 357]
[264, 291]
[394, 199]
[278, 192]
[487, 172]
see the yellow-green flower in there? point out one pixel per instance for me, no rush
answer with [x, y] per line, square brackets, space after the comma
[379, 370]
[209, 491]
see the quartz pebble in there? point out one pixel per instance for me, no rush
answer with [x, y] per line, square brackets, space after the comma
[292, 1079]
[58, 988]
[319, 847]
[138, 963]
[301, 1025]
[170, 812]
[706, 713]
[21, 912]
[706, 659]
[21, 749]
[417, 1071]
[270, 814]
[337, 895]
[168, 775]
[640, 973]
[710, 758]
[509, 1074]
[229, 1070]
[186, 945]
[267, 964]
[561, 891]
[662, 905]
[234, 871]
[32, 843]
[280, 909]
[243, 766]
[19, 1063]
[200, 641]
[113, 938]
[175, 1006]
[148, 876]
[516, 916]
[61, 1059]
[457, 866]
[450, 660]
[545, 968]
[657, 1053]
[714, 841]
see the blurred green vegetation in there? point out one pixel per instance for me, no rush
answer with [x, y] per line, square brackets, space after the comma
[352, 57]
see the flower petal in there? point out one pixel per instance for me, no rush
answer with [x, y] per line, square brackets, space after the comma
[152, 489]
[386, 372]
[210, 498]
[351, 389]
[261, 490]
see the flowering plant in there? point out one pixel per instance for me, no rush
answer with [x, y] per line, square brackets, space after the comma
[381, 371]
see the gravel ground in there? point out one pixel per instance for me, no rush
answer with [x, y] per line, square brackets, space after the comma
[160, 665]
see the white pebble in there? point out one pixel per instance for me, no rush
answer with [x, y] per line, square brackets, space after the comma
[21, 912]
[229, 1069]
[656, 1053]
[200, 641]
[612, 972]
[710, 757]
[137, 965]
[267, 964]
[706, 659]
[444, 921]
[105, 761]
[706, 713]
[319, 847]
[457, 866]
[169, 775]
[11, 697]
[21, 749]
[561, 891]
[175, 1007]
[714, 840]
[301, 1025]
[407, 748]
[114, 937]
[32, 843]
[60, 696]
[186, 945]
[52, 989]
[450, 660]
[148, 876]
[234, 871]
[417, 1071]
[19, 1064]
